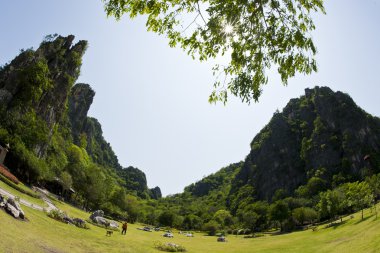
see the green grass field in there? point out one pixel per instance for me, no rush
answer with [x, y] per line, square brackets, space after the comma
[43, 234]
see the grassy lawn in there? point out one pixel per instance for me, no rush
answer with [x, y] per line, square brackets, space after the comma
[71, 210]
[43, 234]
[32, 200]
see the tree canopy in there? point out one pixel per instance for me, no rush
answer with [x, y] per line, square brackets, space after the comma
[256, 35]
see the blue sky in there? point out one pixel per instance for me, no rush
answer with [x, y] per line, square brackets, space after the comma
[152, 100]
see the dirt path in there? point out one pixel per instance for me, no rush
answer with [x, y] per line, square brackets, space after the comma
[24, 202]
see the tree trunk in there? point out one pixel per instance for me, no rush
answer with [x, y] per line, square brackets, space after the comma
[375, 209]
[362, 213]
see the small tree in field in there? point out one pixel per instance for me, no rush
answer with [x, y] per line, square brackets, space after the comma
[223, 217]
[279, 211]
[331, 203]
[374, 184]
[211, 227]
[359, 195]
[304, 214]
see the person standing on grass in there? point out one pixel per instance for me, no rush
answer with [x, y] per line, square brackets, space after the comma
[124, 227]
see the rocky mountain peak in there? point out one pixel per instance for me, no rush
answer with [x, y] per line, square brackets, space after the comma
[40, 80]
[322, 134]
[80, 100]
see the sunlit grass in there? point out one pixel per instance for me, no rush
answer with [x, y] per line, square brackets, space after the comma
[43, 234]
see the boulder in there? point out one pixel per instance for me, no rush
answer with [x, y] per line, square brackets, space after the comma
[14, 209]
[113, 224]
[98, 218]
[97, 213]
[221, 239]
[2, 201]
[101, 221]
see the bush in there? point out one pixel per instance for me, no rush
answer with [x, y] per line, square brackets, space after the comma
[211, 227]
[8, 175]
[169, 247]
[56, 215]
[80, 223]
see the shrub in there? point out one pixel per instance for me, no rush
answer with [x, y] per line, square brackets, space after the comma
[80, 223]
[169, 247]
[56, 215]
[8, 175]
[211, 227]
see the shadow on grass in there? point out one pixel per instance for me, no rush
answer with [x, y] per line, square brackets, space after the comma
[364, 219]
[280, 233]
[335, 224]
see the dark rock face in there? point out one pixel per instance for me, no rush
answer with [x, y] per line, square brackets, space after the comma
[134, 180]
[64, 62]
[321, 134]
[155, 193]
[80, 100]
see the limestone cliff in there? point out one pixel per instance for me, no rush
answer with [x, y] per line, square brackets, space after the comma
[322, 134]
[40, 80]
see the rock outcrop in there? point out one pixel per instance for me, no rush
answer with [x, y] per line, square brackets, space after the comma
[155, 193]
[97, 217]
[41, 80]
[323, 134]
[13, 208]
